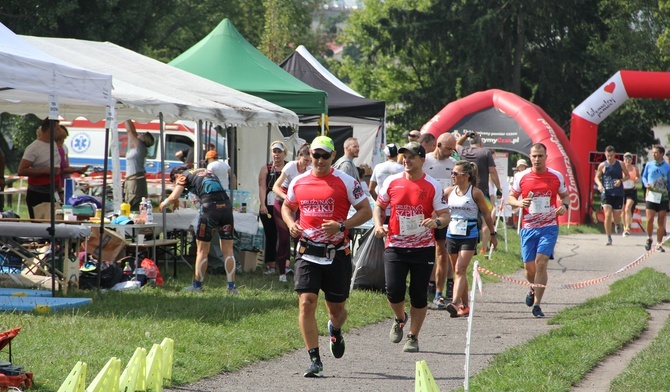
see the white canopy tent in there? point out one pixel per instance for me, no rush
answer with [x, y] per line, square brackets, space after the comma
[29, 75]
[178, 95]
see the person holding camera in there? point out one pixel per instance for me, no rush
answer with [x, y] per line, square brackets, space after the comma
[486, 166]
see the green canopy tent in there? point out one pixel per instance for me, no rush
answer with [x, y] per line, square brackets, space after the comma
[224, 56]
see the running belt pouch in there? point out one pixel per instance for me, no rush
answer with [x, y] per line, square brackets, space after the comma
[318, 250]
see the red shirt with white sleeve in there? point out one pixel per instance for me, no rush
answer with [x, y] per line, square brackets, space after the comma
[411, 202]
[546, 188]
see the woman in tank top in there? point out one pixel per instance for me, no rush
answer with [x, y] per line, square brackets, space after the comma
[466, 203]
[630, 192]
[266, 179]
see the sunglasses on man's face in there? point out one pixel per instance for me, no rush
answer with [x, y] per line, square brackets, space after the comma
[324, 155]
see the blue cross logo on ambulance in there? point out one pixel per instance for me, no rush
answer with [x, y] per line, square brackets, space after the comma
[80, 143]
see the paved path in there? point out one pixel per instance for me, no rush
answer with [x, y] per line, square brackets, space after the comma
[501, 321]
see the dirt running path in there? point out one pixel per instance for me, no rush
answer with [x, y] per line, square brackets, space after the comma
[501, 321]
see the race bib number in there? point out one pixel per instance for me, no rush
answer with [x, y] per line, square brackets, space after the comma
[270, 199]
[540, 205]
[410, 225]
[653, 197]
[458, 227]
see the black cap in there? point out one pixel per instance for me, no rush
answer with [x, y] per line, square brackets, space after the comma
[413, 148]
[391, 150]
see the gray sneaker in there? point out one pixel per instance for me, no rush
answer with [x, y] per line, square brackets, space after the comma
[411, 345]
[437, 304]
[193, 289]
[396, 331]
[232, 290]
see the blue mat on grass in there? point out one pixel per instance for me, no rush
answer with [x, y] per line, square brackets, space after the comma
[40, 304]
[24, 292]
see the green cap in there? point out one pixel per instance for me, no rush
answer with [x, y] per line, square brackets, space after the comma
[323, 143]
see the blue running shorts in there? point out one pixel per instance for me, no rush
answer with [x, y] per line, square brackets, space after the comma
[539, 240]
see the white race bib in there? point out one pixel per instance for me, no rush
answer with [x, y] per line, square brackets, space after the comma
[270, 199]
[540, 205]
[458, 227]
[410, 225]
[653, 197]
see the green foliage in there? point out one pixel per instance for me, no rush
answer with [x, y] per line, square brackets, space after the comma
[18, 132]
[585, 335]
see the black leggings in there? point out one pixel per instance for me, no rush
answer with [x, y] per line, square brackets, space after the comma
[418, 262]
[35, 198]
[270, 230]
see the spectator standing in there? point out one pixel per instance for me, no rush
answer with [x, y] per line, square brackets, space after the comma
[323, 262]
[656, 181]
[417, 208]
[466, 203]
[36, 165]
[135, 185]
[186, 156]
[486, 167]
[267, 177]
[538, 188]
[413, 136]
[220, 168]
[610, 177]
[428, 142]
[290, 171]
[346, 161]
[629, 192]
[216, 214]
[439, 164]
[385, 169]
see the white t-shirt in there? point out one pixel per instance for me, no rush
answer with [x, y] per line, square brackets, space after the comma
[382, 171]
[439, 169]
[221, 169]
[290, 170]
[38, 153]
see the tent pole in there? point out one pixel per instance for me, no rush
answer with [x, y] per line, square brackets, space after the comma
[162, 174]
[197, 154]
[52, 214]
[269, 141]
[98, 267]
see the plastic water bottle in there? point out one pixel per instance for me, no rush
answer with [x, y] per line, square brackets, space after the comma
[150, 211]
[143, 208]
[127, 272]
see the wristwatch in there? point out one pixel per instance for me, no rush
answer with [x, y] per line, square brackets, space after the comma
[566, 205]
[342, 227]
[438, 222]
[494, 234]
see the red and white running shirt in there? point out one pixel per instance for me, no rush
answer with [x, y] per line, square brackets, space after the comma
[323, 198]
[411, 202]
[546, 188]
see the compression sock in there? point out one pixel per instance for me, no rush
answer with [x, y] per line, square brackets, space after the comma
[314, 354]
[196, 283]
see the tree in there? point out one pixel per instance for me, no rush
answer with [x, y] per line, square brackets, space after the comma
[418, 55]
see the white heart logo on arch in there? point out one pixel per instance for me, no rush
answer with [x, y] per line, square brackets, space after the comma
[603, 101]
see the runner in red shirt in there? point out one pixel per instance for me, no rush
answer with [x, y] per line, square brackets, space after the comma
[538, 187]
[410, 241]
[323, 260]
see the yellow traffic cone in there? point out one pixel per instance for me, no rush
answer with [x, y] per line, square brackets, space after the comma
[76, 380]
[155, 369]
[424, 379]
[168, 349]
[134, 376]
[107, 379]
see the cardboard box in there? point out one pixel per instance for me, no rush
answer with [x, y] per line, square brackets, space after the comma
[112, 244]
[249, 261]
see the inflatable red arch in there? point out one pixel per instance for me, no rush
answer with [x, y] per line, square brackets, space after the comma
[603, 102]
[508, 122]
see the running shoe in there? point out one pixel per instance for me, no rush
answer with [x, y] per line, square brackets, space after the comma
[660, 249]
[437, 304]
[647, 245]
[336, 343]
[463, 310]
[282, 278]
[269, 271]
[315, 370]
[411, 345]
[232, 290]
[452, 309]
[537, 311]
[626, 233]
[530, 297]
[193, 289]
[609, 241]
[396, 331]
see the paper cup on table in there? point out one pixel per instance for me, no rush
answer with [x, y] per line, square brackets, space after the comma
[140, 238]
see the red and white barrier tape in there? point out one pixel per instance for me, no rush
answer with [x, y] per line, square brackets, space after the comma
[577, 285]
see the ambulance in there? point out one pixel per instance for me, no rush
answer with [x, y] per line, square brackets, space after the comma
[86, 144]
